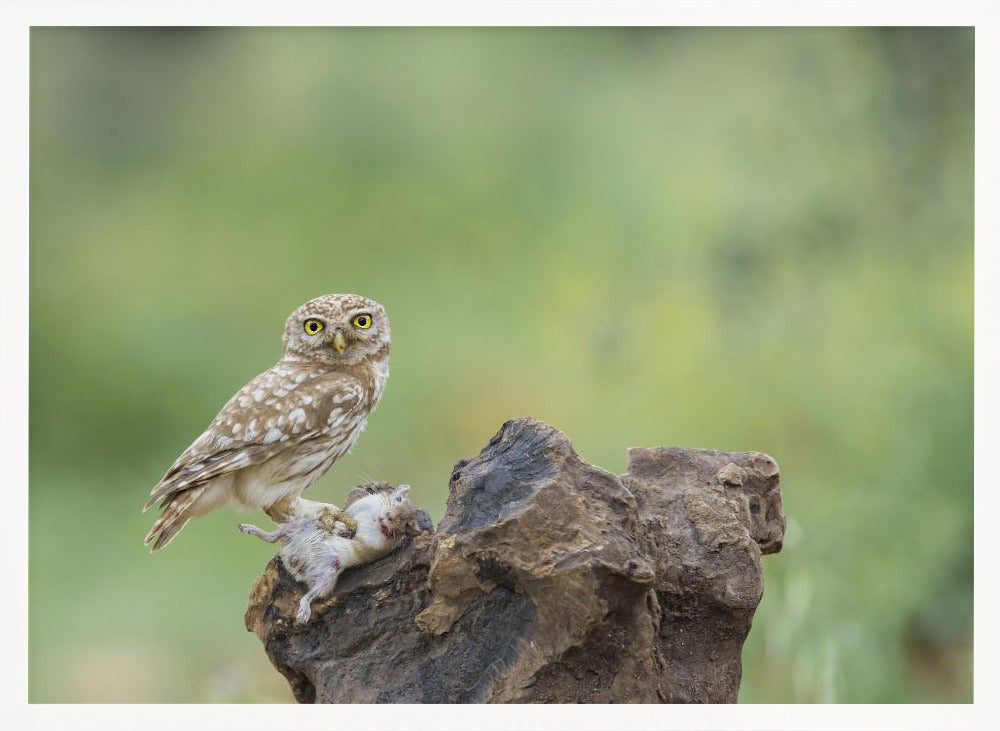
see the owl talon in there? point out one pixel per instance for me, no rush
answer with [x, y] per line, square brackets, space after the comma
[349, 523]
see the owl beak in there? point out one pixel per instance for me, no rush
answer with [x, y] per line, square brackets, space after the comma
[339, 342]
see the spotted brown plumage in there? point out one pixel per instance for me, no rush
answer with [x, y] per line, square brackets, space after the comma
[287, 426]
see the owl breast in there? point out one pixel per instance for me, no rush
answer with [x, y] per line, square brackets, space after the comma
[317, 423]
[289, 473]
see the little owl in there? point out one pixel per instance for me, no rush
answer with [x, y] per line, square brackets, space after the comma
[287, 426]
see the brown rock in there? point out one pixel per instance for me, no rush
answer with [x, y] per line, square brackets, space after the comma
[548, 580]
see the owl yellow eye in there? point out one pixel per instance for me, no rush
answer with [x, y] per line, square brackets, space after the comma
[362, 321]
[312, 326]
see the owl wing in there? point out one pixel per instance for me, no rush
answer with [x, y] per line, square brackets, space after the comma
[277, 410]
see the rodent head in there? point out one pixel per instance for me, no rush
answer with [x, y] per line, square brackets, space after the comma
[400, 510]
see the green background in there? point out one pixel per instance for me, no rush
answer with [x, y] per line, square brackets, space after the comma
[755, 239]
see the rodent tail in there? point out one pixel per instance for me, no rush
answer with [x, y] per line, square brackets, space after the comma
[175, 516]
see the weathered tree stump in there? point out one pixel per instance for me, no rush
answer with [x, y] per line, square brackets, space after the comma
[548, 580]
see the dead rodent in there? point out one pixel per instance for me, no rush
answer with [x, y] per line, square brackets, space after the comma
[316, 550]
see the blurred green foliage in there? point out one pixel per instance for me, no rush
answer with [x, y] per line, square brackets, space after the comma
[733, 238]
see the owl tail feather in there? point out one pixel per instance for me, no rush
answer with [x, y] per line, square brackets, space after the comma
[174, 517]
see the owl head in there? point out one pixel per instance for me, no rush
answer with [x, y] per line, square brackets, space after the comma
[339, 329]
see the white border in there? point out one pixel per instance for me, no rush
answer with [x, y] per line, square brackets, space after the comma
[17, 16]
[502, 12]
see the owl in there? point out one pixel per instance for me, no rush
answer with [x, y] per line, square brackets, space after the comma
[286, 427]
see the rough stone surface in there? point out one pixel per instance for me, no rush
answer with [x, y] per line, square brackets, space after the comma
[547, 580]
